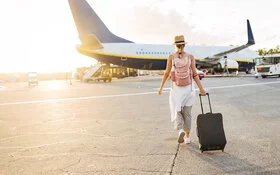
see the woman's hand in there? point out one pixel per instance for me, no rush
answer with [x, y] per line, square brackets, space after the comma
[202, 92]
[160, 91]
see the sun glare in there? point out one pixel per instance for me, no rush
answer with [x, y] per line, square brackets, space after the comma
[55, 85]
[46, 41]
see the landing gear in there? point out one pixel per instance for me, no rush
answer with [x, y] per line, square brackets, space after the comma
[211, 71]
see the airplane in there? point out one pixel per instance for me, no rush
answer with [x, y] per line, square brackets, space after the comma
[98, 42]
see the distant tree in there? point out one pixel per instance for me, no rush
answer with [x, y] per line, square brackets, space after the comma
[263, 52]
[277, 49]
[270, 51]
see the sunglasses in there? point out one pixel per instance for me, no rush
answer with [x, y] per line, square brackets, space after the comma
[180, 45]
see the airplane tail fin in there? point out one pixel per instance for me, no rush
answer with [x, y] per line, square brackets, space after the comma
[88, 23]
[251, 39]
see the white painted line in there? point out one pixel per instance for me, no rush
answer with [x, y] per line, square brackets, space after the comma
[243, 85]
[126, 95]
[231, 86]
[76, 98]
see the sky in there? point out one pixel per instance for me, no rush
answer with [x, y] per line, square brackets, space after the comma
[40, 35]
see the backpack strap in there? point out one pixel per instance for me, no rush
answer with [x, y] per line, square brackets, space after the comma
[173, 62]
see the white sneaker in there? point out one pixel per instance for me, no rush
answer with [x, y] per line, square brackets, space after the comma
[181, 136]
[187, 140]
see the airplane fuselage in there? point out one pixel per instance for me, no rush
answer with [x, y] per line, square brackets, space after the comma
[151, 56]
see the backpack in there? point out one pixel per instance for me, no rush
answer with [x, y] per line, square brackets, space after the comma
[181, 72]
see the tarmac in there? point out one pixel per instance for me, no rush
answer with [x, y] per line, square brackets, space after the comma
[124, 127]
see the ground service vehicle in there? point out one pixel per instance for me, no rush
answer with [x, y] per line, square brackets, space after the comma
[268, 66]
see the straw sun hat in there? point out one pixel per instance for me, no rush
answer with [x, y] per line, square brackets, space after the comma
[179, 39]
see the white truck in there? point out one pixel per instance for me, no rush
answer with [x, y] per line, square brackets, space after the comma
[267, 66]
[32, 78]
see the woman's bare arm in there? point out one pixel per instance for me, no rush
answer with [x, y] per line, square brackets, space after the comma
[166, 73]
[196, 77]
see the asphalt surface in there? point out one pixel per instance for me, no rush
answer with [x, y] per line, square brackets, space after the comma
[124, 127]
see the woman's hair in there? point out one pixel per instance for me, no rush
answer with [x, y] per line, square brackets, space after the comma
[177, 48]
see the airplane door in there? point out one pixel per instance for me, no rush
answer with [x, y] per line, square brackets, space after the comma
[123, 58]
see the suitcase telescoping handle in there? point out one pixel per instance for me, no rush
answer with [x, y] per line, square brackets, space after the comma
[208, 101]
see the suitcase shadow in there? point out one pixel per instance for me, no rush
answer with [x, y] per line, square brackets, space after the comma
[229, 164]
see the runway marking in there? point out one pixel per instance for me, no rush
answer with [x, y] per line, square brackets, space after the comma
[126, 95]
[76, 98]
[232, 86]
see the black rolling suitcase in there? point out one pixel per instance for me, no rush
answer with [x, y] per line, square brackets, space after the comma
[210, 130]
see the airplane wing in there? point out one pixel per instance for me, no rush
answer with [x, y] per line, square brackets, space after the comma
[251, 41]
